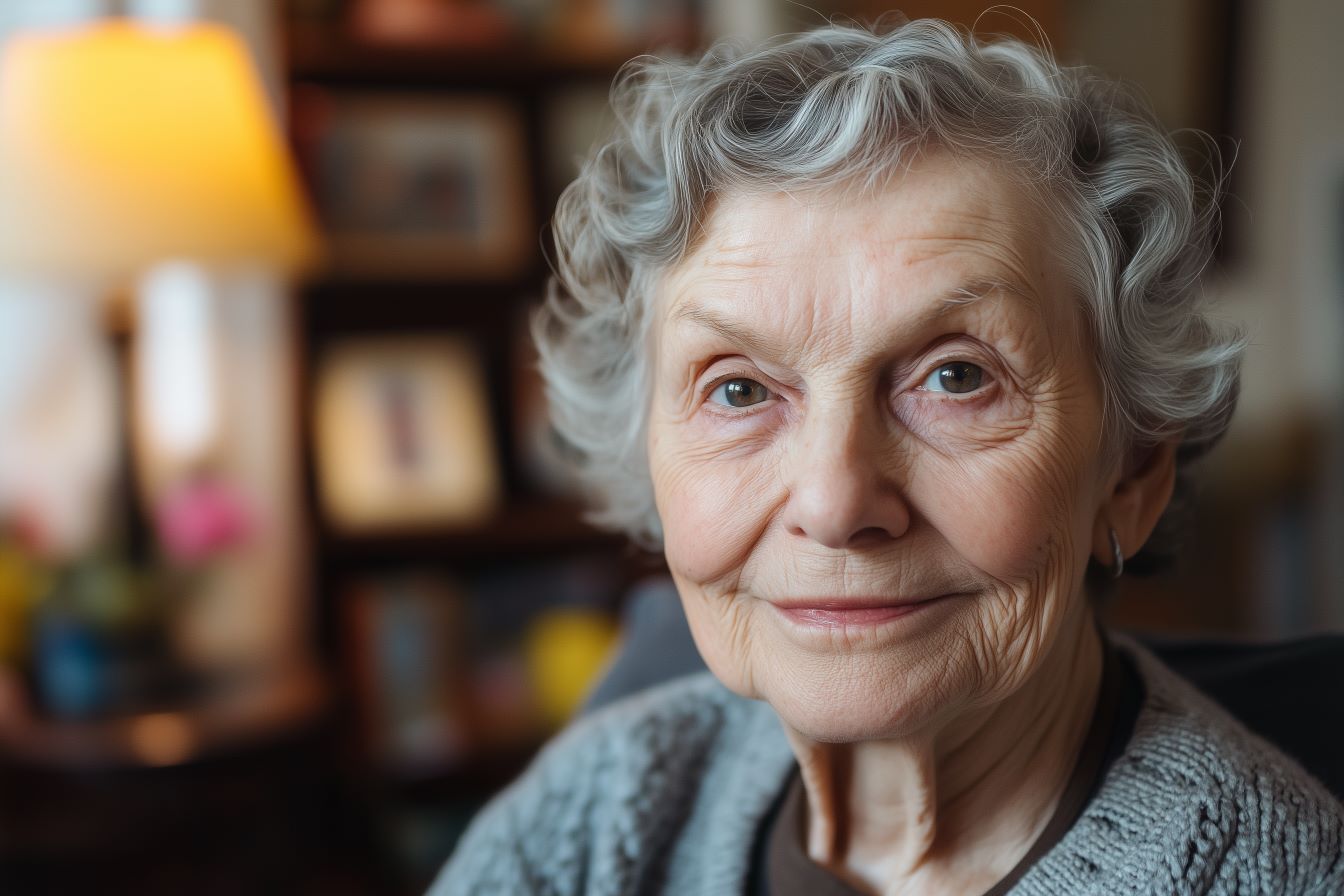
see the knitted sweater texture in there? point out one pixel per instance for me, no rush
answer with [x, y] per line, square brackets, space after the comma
[662, 793]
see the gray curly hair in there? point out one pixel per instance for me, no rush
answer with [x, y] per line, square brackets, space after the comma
[850, 105]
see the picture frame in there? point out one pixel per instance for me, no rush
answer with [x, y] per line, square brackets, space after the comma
[403, 435]
[419, 187]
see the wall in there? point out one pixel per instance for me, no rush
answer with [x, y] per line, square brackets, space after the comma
[1290, 287]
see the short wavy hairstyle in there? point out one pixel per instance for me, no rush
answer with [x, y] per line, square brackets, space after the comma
[846, 105]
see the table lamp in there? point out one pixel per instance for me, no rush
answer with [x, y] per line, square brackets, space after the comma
[145, 156]
[126, 151]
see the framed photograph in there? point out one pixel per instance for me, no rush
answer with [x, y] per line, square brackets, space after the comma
[402, 435]
[421, 187]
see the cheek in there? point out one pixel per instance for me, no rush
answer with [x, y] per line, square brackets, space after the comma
[1019, 514]
[1006, 516]
[713, 507]
[1015, 520]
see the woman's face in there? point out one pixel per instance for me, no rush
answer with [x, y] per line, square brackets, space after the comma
[875, 441]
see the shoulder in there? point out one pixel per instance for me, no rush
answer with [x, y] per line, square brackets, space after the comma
[1199, 803]
[607, 794]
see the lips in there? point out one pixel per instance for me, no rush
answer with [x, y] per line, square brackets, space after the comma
[836, 612]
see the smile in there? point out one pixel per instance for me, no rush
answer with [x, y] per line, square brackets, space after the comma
[840, 612]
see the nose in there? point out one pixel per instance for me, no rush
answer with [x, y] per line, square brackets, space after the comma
[842, 491]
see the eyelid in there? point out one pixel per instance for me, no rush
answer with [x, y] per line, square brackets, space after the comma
[708, 388]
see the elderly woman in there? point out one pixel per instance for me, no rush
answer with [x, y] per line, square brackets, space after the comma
[886, 339]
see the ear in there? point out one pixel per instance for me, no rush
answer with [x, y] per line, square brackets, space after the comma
[1135, 502]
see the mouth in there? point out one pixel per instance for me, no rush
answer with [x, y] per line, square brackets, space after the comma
[841, 612]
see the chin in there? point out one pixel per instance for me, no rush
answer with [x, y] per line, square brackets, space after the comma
[843, 705]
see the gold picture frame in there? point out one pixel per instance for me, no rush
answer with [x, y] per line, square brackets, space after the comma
[403, 435]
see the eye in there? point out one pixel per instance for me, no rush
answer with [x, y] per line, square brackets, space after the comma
[957, 377]
[739, 393]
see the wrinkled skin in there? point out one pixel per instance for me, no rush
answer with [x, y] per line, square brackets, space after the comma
[933, 747]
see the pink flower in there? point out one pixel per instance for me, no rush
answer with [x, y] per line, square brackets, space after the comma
[200, 518]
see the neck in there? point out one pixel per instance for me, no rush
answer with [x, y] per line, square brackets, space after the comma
[954, 809]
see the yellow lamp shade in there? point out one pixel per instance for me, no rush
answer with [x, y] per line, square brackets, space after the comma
[122, 145]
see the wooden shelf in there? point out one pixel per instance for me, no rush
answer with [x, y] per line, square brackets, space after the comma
[475, 776]
[342, 306]
[531, 535]
[319, 55]
[532, 528]
[362, 286]
[267, 709]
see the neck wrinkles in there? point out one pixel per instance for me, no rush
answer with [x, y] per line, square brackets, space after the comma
[962, 804]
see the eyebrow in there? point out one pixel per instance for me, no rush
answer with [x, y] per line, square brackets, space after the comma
[960, 296]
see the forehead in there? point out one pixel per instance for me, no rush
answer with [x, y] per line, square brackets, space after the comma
[942, 221]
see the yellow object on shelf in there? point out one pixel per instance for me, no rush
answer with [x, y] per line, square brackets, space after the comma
[122, 145]
[566, 651]
[21, 584]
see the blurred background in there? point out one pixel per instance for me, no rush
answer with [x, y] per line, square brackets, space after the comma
[293, 575]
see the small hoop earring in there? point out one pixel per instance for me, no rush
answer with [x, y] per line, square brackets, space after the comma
[1119, 565]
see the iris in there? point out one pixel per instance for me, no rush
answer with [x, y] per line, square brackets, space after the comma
[740, 393]
[957, 377]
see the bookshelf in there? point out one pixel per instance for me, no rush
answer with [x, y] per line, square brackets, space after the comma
[534, 545]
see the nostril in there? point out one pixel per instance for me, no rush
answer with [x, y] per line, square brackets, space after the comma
[869, 535]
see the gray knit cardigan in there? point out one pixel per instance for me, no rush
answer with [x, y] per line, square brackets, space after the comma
[662, 793]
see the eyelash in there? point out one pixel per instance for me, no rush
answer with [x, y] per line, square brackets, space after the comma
[969, 398]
